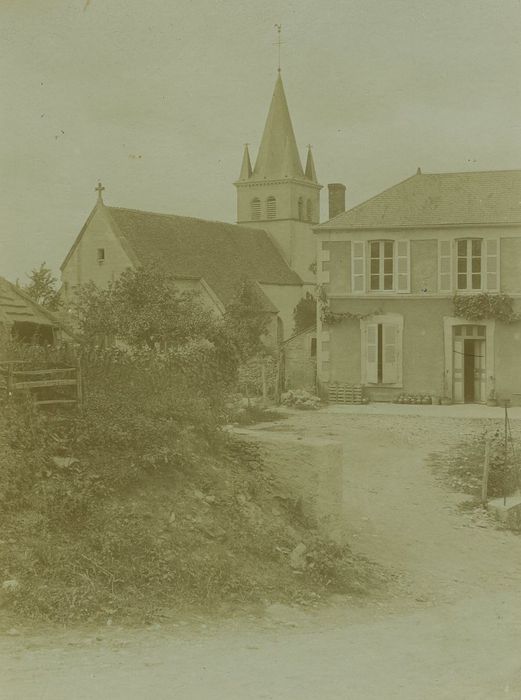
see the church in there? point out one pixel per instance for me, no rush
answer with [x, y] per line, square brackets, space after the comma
[272, 244]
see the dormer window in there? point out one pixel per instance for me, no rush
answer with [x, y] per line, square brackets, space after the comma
[101, 255]
[271, 208]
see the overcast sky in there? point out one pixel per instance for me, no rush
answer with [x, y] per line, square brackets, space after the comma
[156, 99]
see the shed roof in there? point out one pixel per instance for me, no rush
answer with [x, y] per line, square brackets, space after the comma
[17, 307]
[440, 199]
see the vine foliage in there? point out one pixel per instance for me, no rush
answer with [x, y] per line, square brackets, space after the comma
[478, 307]
[330, 318]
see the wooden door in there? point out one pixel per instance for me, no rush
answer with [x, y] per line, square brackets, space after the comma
[480, 373]
[458, 370]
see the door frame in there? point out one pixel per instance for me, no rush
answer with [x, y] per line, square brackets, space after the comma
[448, 333]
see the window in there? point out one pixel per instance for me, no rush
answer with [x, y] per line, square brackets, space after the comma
[300, 209]
[101, 255]
[309, 210]
[469, 263]
[381, 265]
[382, 350]
[271, 207]
[313, 347]
[255, 209]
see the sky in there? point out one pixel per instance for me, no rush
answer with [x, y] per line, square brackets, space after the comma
[157, 98]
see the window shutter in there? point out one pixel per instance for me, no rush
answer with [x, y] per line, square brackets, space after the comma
[445, 266]
[390, 353]
[403, 266]
[371, 353]
[358, 267]
[491, 266]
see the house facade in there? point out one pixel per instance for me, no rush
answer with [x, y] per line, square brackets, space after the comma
[389, 270]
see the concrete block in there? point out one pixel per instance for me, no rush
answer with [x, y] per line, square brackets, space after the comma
[509, 514]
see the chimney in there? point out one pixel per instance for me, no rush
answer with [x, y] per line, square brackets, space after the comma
[337, 199]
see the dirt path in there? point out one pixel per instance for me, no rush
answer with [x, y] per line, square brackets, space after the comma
[452, 632]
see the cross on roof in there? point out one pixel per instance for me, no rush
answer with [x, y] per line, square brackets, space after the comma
[99, 189]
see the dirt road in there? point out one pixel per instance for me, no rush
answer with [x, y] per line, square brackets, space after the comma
[451, 630]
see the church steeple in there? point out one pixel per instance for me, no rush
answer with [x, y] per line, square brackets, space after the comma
[278, 153]
[246, 169]
[277, 195]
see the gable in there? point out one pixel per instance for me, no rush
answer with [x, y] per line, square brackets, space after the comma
[83, 262]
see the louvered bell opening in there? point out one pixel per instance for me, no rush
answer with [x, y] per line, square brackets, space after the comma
[271, 208]
[255, 209]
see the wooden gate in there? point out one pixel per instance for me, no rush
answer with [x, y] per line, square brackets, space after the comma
[34, 380]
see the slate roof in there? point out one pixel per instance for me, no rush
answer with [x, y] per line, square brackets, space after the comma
[220, 253]
[443, 199]
[17, 307]
[278, 155]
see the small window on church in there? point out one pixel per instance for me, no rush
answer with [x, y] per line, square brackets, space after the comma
[101, 255]
[255, 209]
[300, 209]
[309, 210]
[271, 207]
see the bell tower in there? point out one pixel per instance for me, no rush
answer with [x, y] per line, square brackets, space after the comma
[278, 195]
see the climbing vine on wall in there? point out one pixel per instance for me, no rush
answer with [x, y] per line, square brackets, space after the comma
[478, 307]
[330, 318]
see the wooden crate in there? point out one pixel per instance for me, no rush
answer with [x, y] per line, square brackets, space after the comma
[345, 393]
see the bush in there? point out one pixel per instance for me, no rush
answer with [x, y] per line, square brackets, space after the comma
[462, 467]
[300, 398]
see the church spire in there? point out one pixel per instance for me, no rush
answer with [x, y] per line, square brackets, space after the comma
[246, 168]
[310, 173]
[278, 154]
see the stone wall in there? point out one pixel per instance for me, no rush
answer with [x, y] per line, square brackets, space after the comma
[300, 367]
[311, 469]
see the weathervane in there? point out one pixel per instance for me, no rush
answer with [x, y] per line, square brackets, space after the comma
[279, 41]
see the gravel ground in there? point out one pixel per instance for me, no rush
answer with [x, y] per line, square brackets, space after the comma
[449, 629]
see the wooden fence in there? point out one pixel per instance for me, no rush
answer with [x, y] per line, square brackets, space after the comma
[34, 380]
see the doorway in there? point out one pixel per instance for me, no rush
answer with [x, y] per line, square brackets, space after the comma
[469, 347]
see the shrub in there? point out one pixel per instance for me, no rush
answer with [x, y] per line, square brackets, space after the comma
[299, 398]
[462, 467]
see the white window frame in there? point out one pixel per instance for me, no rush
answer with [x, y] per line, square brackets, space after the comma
[381, 274]
[368, 340]
[361, 272]
[469, 258]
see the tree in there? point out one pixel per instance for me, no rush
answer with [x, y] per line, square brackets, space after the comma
[246, 320]
[43, 288]
[305, 313]
[144, 309]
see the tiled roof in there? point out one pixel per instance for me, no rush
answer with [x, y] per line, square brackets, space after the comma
[220, 253]
[424, 200]
[17, 307]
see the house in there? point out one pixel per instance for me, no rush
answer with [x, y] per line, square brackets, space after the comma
[23, 318]
[390, 269]
[273, 245]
